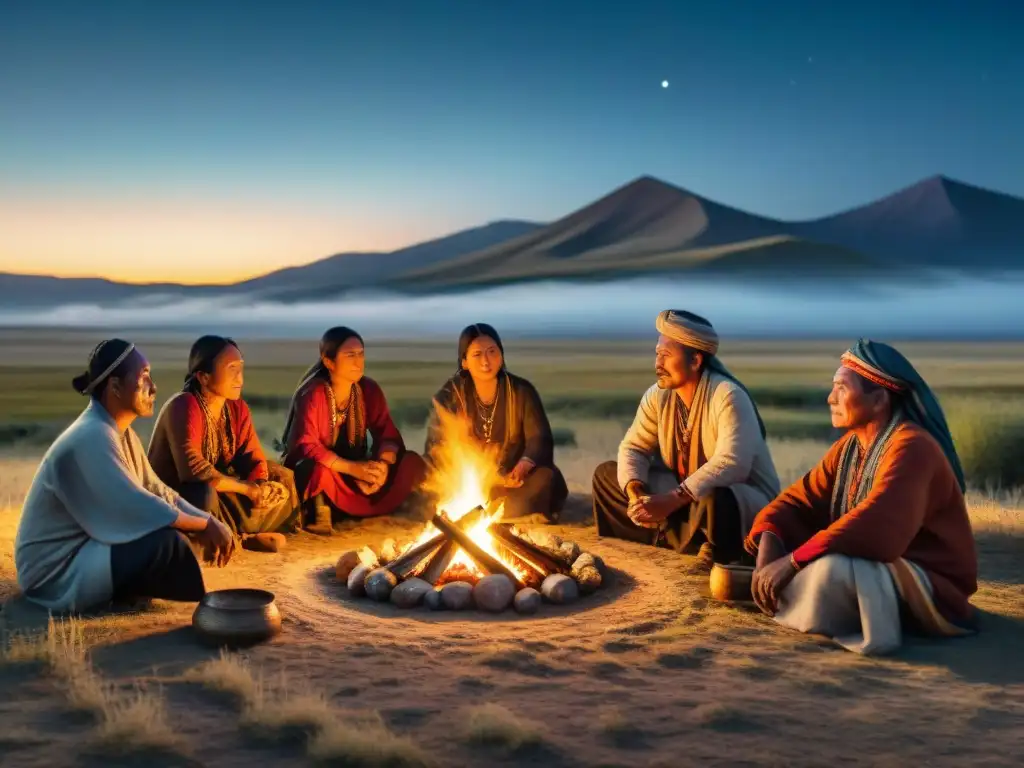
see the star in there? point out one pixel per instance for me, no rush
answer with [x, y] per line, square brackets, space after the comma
[810, 59]
[664, 83]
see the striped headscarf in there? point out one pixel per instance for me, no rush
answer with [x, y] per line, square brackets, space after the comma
[885, 366]
[697, 333]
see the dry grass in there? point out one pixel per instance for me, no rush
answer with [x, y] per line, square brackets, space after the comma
[365, 742]
[136, 723]
[229, 674]
[495, 725]
[284, 714]
[125, 724]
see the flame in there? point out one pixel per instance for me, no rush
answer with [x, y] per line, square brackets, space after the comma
[463, 474]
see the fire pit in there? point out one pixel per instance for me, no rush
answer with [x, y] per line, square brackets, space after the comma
[474, 560]
[465, 555]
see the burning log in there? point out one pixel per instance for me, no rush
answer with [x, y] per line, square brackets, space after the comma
[405, 564]
[482, 558]
[530, 574]
[439, 562]
[544, 563]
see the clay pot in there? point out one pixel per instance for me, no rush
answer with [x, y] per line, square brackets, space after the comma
[236, 617]
[731, 583]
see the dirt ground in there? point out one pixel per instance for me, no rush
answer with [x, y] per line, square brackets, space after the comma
[647, 672]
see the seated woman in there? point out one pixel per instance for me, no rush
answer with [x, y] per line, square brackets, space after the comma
[205, 447]
[347, 453]
[98, 525]
[506, 413]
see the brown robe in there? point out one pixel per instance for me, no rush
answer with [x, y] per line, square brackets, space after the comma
[914, 511]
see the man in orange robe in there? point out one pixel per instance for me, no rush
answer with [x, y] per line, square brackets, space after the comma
[876, 538]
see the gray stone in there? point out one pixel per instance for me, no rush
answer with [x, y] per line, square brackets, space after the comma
[584, 560]
[494, 593]
[346, 563]
[410, 592]
[457, 595]
[560, 589]
[433, 600]
[588, 578]
[379, 584]
[570, 551]
[527, 600]
[587, 572]
[356, 580]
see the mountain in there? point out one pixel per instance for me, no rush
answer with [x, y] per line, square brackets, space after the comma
[938, 222]
[324, 277]
[644, 226]
[335, 273]
[42, 290]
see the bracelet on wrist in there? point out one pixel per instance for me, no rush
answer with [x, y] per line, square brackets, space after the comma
[794, 563]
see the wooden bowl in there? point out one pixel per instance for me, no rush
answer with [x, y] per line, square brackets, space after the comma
[731, 583]
[236, 617]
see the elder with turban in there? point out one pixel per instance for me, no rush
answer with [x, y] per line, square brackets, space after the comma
[694, 467]
[98, 524]
[875, 540]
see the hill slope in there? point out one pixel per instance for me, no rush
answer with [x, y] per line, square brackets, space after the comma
[644, 226]
[938, 222]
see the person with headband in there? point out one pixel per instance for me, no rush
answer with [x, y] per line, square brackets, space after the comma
[205, 447]
[875, 540]
[694, 467]
[98, 525]
[348, 456]
[504, 413]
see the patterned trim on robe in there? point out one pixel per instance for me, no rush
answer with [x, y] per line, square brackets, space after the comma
[911, 582]
[846, 474]
[914, 590]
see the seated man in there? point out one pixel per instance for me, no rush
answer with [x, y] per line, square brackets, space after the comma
[700, 428]
[876, 537]
[97, 524]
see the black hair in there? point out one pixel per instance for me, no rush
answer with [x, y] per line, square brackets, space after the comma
[473, 332]
[203, 355]
[96, 373]
[330, 343]
[333, 339]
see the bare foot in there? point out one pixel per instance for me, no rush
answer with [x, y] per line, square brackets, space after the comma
[264, 542]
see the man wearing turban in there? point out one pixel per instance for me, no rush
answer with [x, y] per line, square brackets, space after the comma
[694, 467]
[876, 538]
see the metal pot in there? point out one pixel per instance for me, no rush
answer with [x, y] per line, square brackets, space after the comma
[731, 583]
[236, 617]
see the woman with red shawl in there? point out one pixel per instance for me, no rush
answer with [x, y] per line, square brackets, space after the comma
[347, 453]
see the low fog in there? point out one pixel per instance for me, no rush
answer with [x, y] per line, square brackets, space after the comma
[964, 308]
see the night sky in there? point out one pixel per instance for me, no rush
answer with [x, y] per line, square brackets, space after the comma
[209, 141]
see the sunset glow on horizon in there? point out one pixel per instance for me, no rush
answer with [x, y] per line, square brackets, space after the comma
[188, 242]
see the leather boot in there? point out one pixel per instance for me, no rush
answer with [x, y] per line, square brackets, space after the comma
[319, 517]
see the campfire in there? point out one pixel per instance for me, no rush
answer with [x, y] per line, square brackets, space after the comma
[466, 555]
